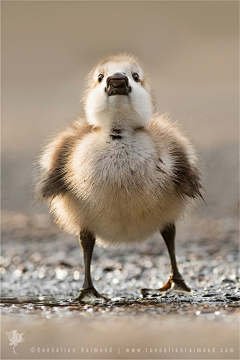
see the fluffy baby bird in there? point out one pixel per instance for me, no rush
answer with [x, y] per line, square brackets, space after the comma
[120, 173]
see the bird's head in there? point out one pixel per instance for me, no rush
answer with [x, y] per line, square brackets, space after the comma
[117, 91]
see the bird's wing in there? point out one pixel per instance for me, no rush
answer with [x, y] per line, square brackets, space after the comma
[20, 337]
[52, 165]
[9, 335]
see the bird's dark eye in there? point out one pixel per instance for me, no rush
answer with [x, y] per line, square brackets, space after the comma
[100, 77]
[135, 77]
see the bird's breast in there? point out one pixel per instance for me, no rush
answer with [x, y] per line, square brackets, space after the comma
[126, 164]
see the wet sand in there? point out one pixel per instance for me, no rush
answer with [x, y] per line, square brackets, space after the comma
[122, 337]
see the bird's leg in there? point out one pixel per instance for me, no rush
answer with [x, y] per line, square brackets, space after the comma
[88, 293]
[175, 281]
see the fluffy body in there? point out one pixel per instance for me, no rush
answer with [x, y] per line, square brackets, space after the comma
[122, 188]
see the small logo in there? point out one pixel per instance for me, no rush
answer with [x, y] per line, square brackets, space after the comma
[14, 339]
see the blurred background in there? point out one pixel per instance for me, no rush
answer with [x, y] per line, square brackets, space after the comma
[189, 50]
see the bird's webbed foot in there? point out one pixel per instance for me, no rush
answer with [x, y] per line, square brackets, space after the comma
[177, 285]
[90, 295]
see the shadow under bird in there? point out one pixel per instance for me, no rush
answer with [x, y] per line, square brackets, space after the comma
[121, 172]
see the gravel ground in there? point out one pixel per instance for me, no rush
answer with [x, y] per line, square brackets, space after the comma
[42, 270]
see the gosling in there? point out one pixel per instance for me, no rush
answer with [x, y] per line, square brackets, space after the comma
[121, 172]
